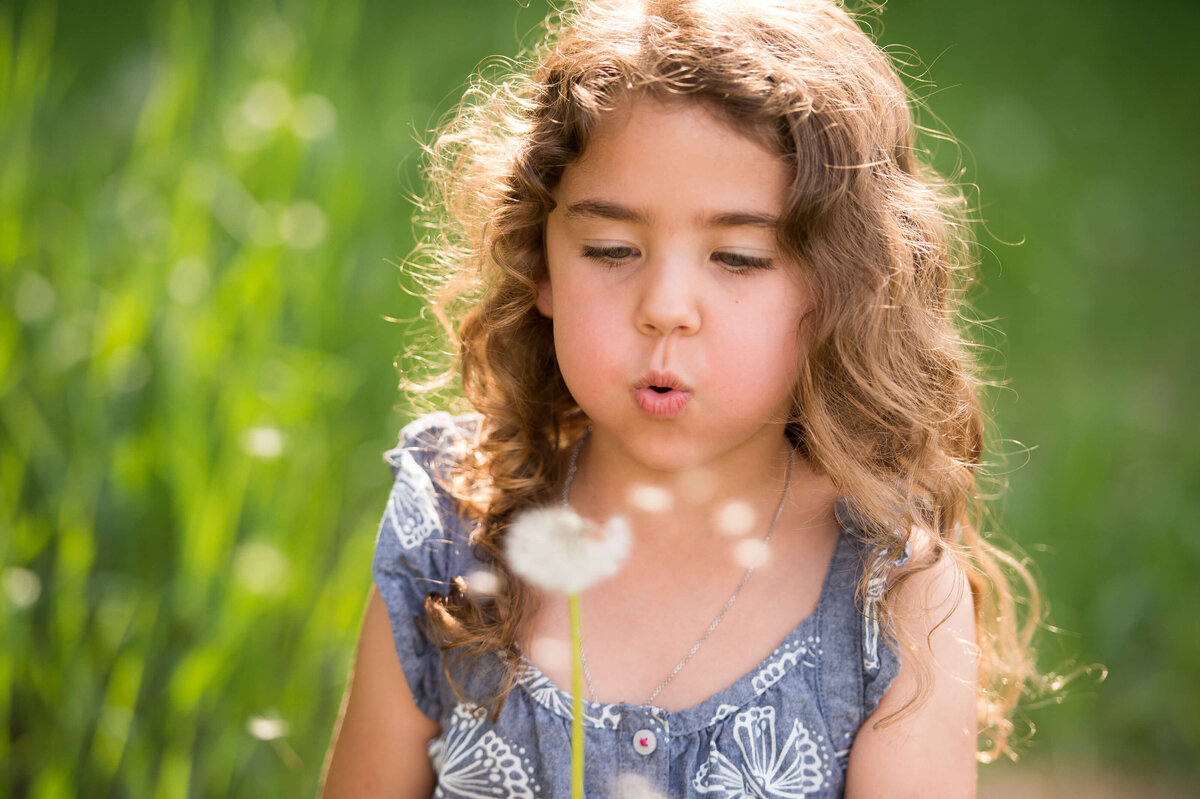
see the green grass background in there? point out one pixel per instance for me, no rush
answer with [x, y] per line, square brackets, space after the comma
[198, 207]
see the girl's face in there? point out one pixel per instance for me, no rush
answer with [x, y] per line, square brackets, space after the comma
[676, 317]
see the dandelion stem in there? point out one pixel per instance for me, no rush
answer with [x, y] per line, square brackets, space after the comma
[577, 693]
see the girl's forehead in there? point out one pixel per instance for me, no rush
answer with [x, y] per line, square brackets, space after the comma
[688, 143]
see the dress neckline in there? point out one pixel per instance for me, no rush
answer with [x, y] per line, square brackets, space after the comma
[801, 645]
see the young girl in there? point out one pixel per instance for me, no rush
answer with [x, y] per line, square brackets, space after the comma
[698, 278]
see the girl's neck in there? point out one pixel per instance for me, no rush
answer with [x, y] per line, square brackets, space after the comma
[735, 495]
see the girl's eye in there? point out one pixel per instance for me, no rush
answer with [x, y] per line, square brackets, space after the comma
[739, 262]
[609, 256]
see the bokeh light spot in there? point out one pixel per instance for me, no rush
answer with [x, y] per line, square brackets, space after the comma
[735, 518]
[189, 280]
[260, 568]
[302, 225]
[650, 499]
[21, 586]
[35, 298]
[483, 582]
[128, 369]
[314, 117]
[551, 653]
[267, 104]
[749, 553]
[263, 441]
[267, 728]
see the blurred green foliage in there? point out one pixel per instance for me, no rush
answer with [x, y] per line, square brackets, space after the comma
[201, 206]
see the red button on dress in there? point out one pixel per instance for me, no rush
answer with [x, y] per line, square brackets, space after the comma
[644, 742]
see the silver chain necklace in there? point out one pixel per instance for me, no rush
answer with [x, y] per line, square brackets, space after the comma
[787, 485]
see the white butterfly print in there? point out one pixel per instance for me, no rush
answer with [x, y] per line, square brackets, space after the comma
[545, 693]
[410, 510]
[472, 765]
[765, 771]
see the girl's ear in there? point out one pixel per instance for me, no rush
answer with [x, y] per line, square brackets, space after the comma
[545, 300]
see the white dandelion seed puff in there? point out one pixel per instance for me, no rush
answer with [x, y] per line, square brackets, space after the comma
[267, 728]
[736, 518]
[749, 554]
[651, 499]
[483, 582]
[550, 652]
[557, 550]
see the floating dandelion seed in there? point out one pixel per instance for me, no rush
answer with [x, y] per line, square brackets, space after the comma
[483, 582]
[650, 499]
[22, 586]
[550, 652]
[749, 553]
[267, 728]
[557, 550]
[262, 442]
[635, 786]
[735, 518]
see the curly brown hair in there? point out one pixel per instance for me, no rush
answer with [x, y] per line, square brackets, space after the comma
[888, 398]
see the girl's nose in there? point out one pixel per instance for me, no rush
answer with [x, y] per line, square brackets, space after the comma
[668, 302]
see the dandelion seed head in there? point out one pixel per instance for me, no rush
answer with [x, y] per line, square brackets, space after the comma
[558, 550]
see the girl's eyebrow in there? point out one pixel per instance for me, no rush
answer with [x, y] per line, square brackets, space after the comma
[602, 209]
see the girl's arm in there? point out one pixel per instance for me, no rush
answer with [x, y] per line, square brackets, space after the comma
[929, 750]
[379, 743]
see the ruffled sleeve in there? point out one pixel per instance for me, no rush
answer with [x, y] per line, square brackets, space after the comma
[880, 664]
[419, 550]
[858, 664]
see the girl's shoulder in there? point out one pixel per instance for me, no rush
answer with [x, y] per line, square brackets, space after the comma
[434, 441]
[422, 544]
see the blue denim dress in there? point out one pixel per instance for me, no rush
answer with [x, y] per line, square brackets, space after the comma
[782, 730]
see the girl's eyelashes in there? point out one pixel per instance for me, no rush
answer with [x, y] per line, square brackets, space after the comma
[613, 255]
[740, 262]
[619, 254]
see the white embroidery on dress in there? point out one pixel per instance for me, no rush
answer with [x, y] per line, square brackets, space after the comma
[545, 693]
[765, 771]
[476, 766]
[410, 510]
[871, 598]
[773, 671]
[723, 712]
